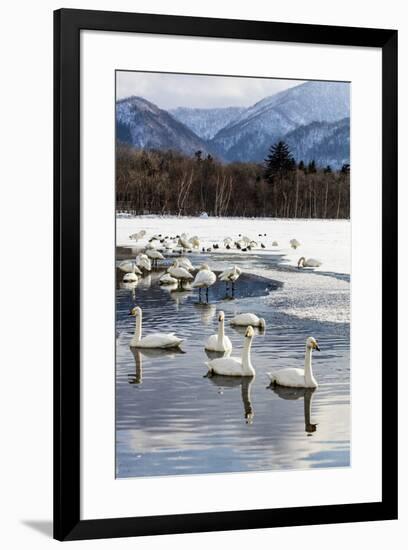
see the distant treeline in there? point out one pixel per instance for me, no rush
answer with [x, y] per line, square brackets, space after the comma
[167, 182]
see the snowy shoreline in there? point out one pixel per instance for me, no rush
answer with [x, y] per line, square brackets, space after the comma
[327, 240]
[321, 294]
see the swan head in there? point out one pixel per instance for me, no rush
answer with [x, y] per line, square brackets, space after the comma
[249, 333]
[136, 311]
[204, 267]
[311, 343]
[301, 262]
[221, 316]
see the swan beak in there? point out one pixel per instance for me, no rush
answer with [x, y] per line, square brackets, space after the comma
[317, 347]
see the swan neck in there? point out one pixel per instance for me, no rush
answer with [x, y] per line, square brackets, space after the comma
[220, 332]
[138, 328]
[246, 358]
[308, 366]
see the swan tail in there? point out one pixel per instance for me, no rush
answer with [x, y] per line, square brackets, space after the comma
[272, 378]
[210, 369]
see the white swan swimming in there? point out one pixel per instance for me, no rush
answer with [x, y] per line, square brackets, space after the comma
[219, 342]
[154, 340]
[309, 262]
[235, 366]
[204, 279]
[128, 266]
[298, 378]
[248, 319]
[294, 243]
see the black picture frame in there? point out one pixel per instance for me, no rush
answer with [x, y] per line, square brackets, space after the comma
[67, 26]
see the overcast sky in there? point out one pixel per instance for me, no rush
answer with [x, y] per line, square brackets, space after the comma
[180, 90]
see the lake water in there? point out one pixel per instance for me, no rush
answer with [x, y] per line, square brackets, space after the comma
[171, 419]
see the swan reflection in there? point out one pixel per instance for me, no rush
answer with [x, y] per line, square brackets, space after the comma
[293, 394]
[228, 382]
[145, 282]
[179, 295]
[150, 353]
[206, 311]
[131, 287]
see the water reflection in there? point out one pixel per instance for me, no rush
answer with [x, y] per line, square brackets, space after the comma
[179, 295]
[151, 353]
[206, 311]
[172, 420]
[229, 382]
[293, 394]
[131, 287]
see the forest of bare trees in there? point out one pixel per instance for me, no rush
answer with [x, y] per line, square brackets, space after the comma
[166, 182]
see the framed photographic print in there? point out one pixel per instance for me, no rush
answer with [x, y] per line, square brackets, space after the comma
[225, 274]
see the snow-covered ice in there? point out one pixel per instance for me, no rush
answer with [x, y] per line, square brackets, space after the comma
[321, 294]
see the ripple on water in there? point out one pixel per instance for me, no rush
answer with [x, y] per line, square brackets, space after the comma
[171, 419]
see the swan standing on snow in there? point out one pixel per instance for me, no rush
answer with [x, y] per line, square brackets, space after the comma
[179, 273]
[248, 319]
[230, 275]
[154, 340]
[219, 342]
[138, 235]
[294, 243]
[204, 279]
[310, 262]
[297, 378]
[235, 366]
[183, 242]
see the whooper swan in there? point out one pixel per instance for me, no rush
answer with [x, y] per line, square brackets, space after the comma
[219, 342]
[298, 378]
[235, 366]
[248, 319]
[154, 340]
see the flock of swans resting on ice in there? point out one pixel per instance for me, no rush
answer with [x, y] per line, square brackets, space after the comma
[180, 273]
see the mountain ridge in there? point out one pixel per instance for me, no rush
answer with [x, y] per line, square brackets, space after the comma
[311, 117]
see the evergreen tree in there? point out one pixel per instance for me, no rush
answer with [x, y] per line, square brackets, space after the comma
[301, 165]
[279, 162]
[328, 169]
[345, 169]
[311, 167]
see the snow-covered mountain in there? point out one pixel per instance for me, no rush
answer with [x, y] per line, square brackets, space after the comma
[312, 117]
[142, 124]
[250, 134]
[206, 122]
[329, 142]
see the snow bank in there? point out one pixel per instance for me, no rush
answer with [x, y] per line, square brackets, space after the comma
[326, 240]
